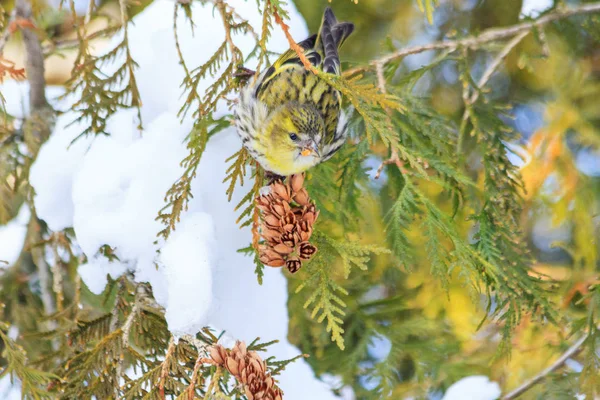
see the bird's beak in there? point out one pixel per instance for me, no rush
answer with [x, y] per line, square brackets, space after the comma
[311, 148]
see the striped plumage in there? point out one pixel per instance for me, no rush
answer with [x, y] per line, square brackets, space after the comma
[288, 118]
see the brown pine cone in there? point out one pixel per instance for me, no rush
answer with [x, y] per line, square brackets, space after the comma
[301, 197]
[272, 236]
[248, 369]
[286, 224]
[306, 250]
[289, 239]
[281, 191]
[268, 256]
[297, 183]
[293, 264]
[305, 230]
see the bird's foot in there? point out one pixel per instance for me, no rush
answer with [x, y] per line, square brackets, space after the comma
[243, 75]
[272, 177]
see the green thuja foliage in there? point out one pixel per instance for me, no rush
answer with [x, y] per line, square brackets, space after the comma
[457, 226]
[100, 95]
[32, 380]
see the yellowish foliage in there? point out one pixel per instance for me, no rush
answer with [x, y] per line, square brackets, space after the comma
[455, 304]
[534, 348]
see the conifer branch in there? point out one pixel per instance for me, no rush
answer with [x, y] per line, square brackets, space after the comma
[33, 381]
[114, 314]
[487, 36]
[90, 10]
[44, 276]
[176, 36]
[76, 298]
[394, 159]
[126, 330]
[130, 64]
[57, 281]
[221, 6]
[198, 344]
[130, 318]
[192, 386]
[164, 371]
[100, 95]
[571, 352]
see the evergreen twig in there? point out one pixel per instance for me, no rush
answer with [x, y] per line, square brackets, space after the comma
[394, 159]
[164, 371]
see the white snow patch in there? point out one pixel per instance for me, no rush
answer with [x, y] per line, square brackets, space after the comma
[188, 257]
[12, 237]
[533, 8]
[94, 272]
[16, 94]
[477, 387]
[10, 390]
[52, 172]
[13, 332]
[120, 185]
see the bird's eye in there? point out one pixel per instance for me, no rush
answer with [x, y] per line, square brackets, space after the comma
[293, 136]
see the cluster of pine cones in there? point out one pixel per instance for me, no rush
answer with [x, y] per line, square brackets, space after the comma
[248, 369]
[286, 224]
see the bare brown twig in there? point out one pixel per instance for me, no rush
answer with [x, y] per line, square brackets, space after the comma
[487, 74]
[572, 351]
[394, 159]
[489, 35]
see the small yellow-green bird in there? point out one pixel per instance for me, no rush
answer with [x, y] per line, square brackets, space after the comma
[289, 119]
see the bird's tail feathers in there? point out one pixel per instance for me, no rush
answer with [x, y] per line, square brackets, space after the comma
[332, 35]
[341, 32]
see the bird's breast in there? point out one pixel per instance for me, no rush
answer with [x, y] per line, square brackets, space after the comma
[285, 165]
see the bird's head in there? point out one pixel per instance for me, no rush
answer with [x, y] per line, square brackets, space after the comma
[295, 132]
